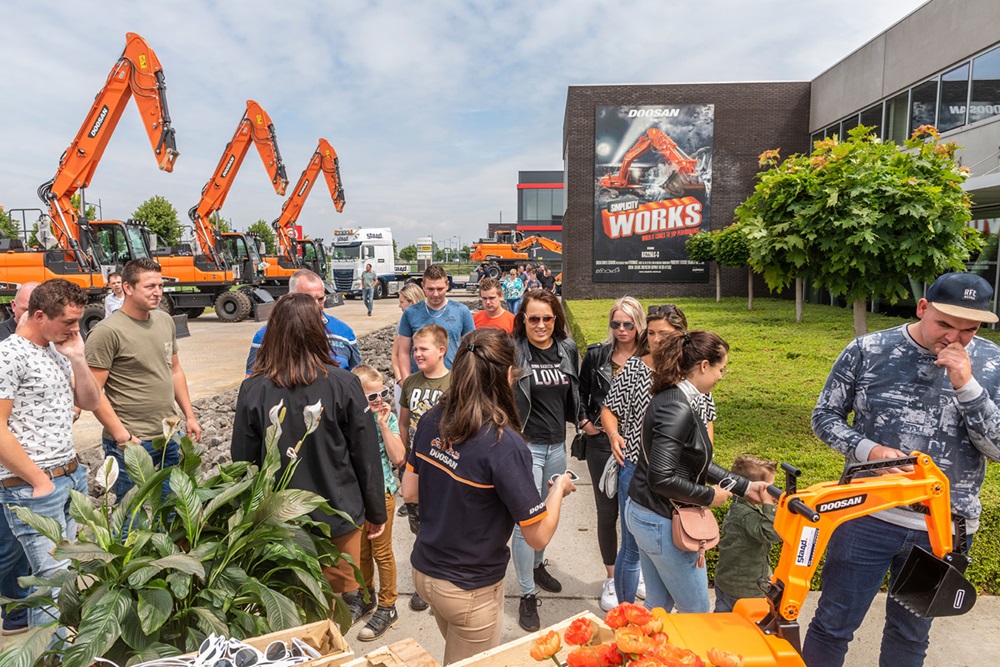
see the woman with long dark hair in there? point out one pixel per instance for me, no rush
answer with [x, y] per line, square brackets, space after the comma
[548, 397]
[470, 470]
[340, 459]
[675, 467]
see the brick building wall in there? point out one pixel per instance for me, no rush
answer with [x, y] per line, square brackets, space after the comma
[749, 119]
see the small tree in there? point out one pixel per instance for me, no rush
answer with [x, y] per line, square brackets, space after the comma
[74, 200]
[861, 216]
[732, 249]
[221, 224]
[701, 248]
[265, 234]
[408, 253]
[11, 231]
[161, 218]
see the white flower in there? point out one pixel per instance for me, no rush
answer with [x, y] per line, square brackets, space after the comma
[170, 426]
[276, 414]
[311, 415]
[107, 474]
[291, 453]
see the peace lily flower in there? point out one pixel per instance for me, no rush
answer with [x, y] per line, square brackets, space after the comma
[107, 474]
[170, 426]
[311, 415]
[275, 415]
[291, 453]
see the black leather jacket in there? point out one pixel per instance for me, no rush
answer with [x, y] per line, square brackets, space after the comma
[675, 458]
[595, 381]
[569, 363]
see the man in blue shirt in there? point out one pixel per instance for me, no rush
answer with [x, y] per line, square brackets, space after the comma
[456, 318]
[343, 343]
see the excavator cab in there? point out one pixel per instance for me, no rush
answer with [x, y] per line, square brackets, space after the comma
[118, 242]
[242, 253]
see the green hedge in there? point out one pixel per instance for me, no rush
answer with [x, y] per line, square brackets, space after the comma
[776, 371]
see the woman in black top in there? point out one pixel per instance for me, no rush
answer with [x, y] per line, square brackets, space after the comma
[340, 460]
[601, 363]
[548, 396]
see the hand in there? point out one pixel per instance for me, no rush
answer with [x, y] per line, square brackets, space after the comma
[955, 360]
[76, 413]
[373, 529]
[44, 489]
[757, 494]
[617, 447]
[590, 429]
[382, 416]
[565, 482]
[881, 452]
[193, 429]
[721, 496]
[72, 347]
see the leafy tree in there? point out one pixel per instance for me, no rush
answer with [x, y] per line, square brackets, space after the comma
[10, 230]
[408, 253]
[74, 200]
[701, 248]
[732, 249]
[221, 224]
[861, 216]
[264, 232]
[161, 218]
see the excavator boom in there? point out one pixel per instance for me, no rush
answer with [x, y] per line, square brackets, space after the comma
[324, 160]
[654, 139]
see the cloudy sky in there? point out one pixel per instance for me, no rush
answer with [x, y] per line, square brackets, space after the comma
[432, 105]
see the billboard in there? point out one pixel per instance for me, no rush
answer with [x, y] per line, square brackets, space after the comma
[652, 191]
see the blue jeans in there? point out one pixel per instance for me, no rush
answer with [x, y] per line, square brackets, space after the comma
[672, 576]
[368, 296]
[512, 306]
[546, 460]
[13, 564]
[859, 553]
[627, 563]
[37, 547]
[124, 483]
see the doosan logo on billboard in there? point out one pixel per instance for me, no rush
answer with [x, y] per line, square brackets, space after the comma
[654, 113]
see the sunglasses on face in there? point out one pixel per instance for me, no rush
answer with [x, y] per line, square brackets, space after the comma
[535, 319]
[620, 324]
[384, 394]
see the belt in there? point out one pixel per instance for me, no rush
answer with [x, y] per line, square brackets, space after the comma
[67, 469]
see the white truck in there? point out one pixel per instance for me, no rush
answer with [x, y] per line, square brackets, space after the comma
[352, 249]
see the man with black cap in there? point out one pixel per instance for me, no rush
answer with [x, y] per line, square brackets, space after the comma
[929, 386]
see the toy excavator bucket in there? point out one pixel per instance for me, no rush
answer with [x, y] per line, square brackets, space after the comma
[930, 587]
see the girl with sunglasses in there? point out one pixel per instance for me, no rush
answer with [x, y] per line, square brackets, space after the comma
[548, 396]
[601, 363]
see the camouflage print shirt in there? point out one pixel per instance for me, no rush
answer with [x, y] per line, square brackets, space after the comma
[900, 399]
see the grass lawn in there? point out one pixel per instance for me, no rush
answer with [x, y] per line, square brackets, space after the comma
[776, 371]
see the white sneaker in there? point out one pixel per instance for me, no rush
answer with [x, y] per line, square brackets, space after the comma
[640, 592]
[608, 598]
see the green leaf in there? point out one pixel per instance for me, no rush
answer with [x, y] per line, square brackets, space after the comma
[27, 650]
[132, 633]
[180, 584]
[99, 629]
[153, 651]
[82, 510]
[155, 606]
[182, 563]
[211, 620]
[46, 526]
[185, 501]
[225, 497]
[139, 464]
[281, 612]
[83, 552]
[286, 505]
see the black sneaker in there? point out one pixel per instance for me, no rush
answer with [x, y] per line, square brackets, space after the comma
[359, 608]
[545, 580]
[417, 603]
[527, 613]
[402, 510]
[379, 624]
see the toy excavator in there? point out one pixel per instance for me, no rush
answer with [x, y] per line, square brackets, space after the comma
[766, 632]
[85, 249]
[654, 139]
[204, 266]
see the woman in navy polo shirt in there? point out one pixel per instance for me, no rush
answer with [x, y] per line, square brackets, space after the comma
[470, 470]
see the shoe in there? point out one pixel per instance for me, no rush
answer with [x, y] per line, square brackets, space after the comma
[640, 592]
[402, 510]
[379, 624]
[369, 313]
[545, 580]
[14, 627]
[608, 598]
[417, 603]
[359, 608]
[527, 613]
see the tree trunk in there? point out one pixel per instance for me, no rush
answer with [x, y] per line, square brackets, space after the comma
[799, 288]
[749, 288]
[860, 318]
[718, 282]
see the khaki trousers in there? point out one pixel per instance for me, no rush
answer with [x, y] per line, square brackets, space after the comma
[469, 621]
[341, 578]
[379, 550]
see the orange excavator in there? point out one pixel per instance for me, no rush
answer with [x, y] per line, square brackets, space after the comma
[507, 249]
[684, 176]
[765, 631]
[201, 273]
[80, 254]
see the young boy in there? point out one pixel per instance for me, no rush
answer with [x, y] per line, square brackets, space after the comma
[379, 549]
[421, 391]
[747, 536]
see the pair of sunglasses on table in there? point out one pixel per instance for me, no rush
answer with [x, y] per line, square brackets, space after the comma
[216, 651]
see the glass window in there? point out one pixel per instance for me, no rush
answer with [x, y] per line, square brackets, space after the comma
[872, 117]
[544, 205]
[558, 208]
[954, 93]
[849, 124]
[895, 118]
[833, 130]
[923, 103]
[985, 86]
[530, 204]
[813, 139]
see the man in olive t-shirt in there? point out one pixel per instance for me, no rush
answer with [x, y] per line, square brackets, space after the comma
[133, 356]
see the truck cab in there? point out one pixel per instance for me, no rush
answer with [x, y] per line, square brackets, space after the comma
[352, 249]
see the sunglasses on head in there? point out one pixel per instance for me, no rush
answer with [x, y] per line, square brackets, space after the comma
[384, 394]
[661, 310]
[622, 324]
[535, 319]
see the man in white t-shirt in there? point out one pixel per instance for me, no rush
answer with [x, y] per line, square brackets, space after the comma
[114, 301]
[43, 371]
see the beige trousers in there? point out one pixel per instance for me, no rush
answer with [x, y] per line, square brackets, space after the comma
[469, 621]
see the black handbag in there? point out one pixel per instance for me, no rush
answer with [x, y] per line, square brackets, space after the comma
[578, 448]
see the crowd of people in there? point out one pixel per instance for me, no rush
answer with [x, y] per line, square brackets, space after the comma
[472, 434]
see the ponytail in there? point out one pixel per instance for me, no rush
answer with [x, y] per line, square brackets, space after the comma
[678, 356]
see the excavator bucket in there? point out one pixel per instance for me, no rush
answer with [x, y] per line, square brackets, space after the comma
[930, 587]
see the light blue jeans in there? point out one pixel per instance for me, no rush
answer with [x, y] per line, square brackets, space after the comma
[13, 564]
[627, 562]
[37, 547]
[171, 457]
[546, 460]
[672, 576]
[368, 297]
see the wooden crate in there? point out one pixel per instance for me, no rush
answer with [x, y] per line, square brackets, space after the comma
[515, 653]
[404, 653]
[324, 636]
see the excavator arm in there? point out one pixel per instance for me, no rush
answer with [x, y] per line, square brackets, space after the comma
[324, 160]
[654, 139]
[136, 74]
[254, 128]
[547, 243]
